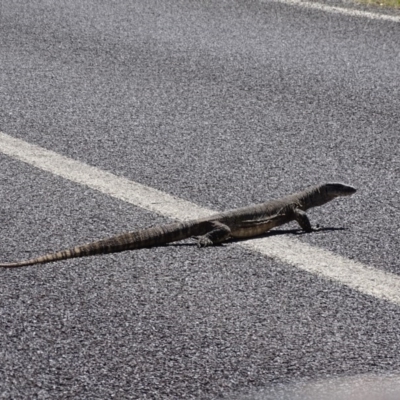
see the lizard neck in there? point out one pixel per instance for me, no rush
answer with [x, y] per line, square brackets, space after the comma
[313, 197]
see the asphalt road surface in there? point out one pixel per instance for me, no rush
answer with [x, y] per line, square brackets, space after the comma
[222, 104]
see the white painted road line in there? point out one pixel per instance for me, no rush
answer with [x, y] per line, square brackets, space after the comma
[321, 262]
[338, 10]
[365, 279]
[103, 181]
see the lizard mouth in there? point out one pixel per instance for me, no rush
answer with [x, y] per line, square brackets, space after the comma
[339, 189]
[349, 190]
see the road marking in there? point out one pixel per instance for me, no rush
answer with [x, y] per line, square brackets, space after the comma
[365, 279]
[369, 386]
[103, 181]
[338, 10]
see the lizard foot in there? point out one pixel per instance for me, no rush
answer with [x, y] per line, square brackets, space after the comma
[204, 241]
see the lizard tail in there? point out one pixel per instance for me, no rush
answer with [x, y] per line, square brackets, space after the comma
[149, 237]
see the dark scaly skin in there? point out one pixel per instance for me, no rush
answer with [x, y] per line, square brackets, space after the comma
[241, 223]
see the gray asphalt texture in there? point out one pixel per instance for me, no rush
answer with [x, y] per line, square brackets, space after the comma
[223, 103]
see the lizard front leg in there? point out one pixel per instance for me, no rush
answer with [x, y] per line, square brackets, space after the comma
[301, 217]
[219, 232]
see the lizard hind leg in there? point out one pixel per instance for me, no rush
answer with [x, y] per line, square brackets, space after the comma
[219, 232]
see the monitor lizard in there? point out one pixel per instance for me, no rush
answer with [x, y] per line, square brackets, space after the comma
[241, 223]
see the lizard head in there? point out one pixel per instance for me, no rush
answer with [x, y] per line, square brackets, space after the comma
[321, 194]
[337, 189]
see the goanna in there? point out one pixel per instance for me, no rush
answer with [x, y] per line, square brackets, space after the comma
[242, 223]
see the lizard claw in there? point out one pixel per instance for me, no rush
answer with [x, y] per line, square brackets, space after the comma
[204, 241]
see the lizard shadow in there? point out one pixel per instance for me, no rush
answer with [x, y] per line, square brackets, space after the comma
[297, 231]
[276, 232]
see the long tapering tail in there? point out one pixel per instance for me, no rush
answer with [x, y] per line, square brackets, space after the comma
[149, 237]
